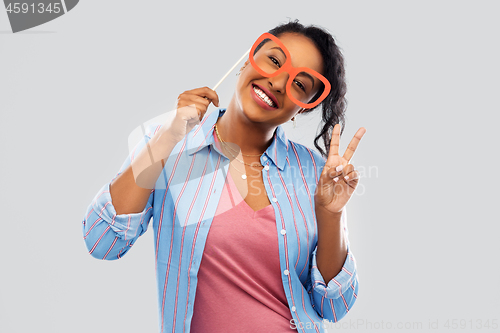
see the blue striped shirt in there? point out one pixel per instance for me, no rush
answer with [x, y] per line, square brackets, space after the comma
[183, 204]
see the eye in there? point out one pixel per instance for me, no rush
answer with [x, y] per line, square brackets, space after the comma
[275, 61]
[301, 86]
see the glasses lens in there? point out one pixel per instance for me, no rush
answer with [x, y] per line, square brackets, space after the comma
[269, 57]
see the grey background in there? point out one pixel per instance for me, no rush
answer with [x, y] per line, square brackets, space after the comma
[422, 79]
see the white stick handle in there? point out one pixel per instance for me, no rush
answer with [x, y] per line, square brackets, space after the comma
[232, 68]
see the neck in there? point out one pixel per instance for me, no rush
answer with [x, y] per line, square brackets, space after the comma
[235, 127]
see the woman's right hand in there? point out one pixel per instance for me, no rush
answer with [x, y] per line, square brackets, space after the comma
[191, 108]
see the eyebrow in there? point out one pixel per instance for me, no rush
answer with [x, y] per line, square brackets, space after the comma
[309, 76]
[303, 73]
[279, 48]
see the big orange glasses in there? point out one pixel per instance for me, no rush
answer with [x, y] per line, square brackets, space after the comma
[272, 58]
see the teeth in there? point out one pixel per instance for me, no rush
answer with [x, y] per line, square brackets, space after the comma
[263, 96]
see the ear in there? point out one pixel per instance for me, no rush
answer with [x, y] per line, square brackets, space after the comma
[245, 64]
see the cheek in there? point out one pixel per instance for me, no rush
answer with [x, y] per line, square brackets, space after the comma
[239, 87]
[243, 83]
[289, 109]
[290, 106]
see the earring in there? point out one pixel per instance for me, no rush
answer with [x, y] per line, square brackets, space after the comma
[294, 123]
[242, 68]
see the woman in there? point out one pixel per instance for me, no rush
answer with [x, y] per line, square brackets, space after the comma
[249, 227]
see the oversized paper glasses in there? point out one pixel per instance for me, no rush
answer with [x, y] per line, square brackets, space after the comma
[272, 58]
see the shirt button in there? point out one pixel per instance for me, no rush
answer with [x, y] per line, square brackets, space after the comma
[286, 272]
[264, 158]
[283, 231]
[266, 167]
[293, 308]
[275, 200]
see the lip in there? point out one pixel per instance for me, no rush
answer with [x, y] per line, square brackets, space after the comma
[268, 93]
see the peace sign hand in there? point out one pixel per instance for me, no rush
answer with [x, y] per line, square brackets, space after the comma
[333, 190]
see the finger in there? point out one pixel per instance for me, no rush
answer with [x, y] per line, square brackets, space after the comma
[334, 142]
[190, 112]
[200, 103]
[348, 172]
[351, 148]
[208, 93]
[352, 178]
[333, 170]
[352, 182]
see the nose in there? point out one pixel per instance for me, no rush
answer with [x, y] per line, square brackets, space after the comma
[279, 81]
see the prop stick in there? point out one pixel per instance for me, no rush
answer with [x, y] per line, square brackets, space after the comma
[232, 68]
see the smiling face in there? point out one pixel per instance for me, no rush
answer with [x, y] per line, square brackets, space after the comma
[264, 99]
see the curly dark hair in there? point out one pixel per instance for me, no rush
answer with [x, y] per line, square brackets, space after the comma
[334, 105]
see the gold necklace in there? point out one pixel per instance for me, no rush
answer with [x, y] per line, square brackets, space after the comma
[244, 176]
[218, 136]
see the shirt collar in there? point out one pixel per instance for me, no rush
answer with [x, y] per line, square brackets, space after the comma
[202, 136]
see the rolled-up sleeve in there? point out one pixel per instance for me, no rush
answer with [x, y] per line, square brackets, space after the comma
[334, 299]
[109, 236]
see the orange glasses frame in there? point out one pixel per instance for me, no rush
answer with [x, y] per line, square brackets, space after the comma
[292, 71]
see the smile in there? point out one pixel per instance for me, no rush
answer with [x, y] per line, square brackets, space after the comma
[264, 97]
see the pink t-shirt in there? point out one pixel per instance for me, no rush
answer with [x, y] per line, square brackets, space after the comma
[239, 280]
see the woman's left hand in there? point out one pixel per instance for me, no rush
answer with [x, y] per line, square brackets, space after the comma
[333, 190]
